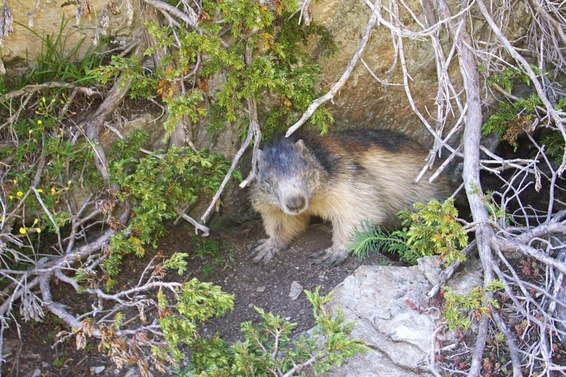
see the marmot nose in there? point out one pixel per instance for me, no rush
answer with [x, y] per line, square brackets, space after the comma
[296, 203]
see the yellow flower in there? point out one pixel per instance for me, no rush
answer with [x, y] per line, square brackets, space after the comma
[40, 191]
[39, 122]
[23, 230]
[19, 194]
[38, 230]
[69, 183]
[30, 131]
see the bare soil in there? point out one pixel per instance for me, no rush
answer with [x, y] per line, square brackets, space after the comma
[31, 345]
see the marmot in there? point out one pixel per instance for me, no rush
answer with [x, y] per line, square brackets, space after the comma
[344, 177]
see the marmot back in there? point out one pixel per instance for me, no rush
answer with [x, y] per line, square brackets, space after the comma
[346, 178]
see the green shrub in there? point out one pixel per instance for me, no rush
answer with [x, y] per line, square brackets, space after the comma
[280, 76]
[269, 350]
[157, 186]
[520, 116]
[433, 229]
[460, 309]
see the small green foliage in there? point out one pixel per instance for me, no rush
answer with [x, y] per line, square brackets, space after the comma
[118, 320]
[41, 155]
[554, 143]
[157, 185]
[335, 331]
[518, 117]
[207, 269]
[89, 347]
[128, 149]
[461, 309]
[211, 354]
[499, 337]
[498, 214]
[369, 238]
[268, 350]
[433, 229]
[176, 261]
[280, 74]
[42, 139]
[215, 254]
[195, 301]
[59, 362]
[507, 78]
[206, 247]
[59, 61]
[122, 243]
[512, 119]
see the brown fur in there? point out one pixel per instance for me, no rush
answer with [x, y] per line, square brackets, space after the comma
[345, 178]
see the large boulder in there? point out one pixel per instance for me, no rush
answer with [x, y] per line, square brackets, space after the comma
[366, 102]
[388, 306]
[362, 102]
[70, 23]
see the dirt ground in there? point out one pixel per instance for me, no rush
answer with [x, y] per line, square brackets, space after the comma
[32, 352]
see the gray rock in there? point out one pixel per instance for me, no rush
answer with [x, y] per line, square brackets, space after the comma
[384, 304]
[469, 277]
[97, 370]
[45, 17]
[296, 290]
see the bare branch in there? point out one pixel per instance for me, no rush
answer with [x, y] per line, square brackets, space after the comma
[188, 16]
[29, 89]
[556, 115]
[254, 133]
[341, 81]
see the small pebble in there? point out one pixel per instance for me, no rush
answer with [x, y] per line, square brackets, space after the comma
[296, 290]
[97, 370]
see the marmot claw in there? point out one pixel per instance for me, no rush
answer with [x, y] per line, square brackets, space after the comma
[327, 258]
[263, 251]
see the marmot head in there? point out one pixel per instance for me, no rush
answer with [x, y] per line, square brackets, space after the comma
[288, 174]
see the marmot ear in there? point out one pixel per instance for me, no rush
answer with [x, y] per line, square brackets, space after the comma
[300, 145]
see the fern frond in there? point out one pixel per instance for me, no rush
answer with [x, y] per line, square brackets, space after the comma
[372, 238]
